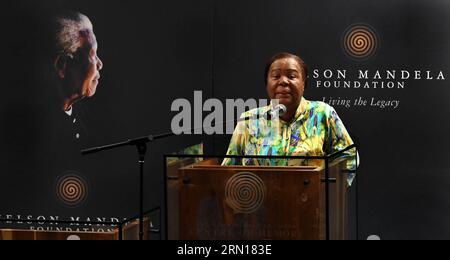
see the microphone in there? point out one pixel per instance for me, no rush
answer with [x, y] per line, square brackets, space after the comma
[277, 111]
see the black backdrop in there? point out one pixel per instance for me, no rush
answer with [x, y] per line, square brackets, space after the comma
[155, 52]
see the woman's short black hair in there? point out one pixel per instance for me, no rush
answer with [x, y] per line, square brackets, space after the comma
[283, 55]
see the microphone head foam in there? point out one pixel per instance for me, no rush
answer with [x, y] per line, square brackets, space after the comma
[281, 109]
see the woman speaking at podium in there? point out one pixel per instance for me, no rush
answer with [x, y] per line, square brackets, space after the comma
[306, 128]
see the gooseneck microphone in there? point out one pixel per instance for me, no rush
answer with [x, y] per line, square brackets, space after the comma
[276, 112]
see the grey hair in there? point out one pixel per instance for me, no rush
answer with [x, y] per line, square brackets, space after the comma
[71, 30]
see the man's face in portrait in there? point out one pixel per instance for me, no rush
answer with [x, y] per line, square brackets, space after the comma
[80, 72]
[83, 70]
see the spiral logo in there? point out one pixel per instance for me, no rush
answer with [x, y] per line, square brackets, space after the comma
[72, 189]
[245, 192]
[360, 41]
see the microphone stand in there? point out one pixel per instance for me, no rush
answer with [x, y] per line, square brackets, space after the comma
[141, 145]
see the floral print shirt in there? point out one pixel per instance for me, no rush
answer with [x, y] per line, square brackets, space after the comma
[316, 130]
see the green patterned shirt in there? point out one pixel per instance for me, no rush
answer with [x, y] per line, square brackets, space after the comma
[315, 130]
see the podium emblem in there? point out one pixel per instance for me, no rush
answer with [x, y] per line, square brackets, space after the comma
[245, 192]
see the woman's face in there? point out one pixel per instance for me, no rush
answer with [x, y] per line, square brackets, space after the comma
[285, 82]
[83, 72]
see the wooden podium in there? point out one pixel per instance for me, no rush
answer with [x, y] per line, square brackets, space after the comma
[256, 203]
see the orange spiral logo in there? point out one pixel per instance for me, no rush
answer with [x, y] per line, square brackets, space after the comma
[360, 41]
[245, 192]
[71, 189]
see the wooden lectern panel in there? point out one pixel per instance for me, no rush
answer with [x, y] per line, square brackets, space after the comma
[257, 203]
[242, 202]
